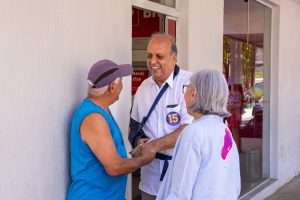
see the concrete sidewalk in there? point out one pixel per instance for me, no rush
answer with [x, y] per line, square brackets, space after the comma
[290, 191]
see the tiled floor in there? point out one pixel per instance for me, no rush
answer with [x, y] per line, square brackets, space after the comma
[290, 191]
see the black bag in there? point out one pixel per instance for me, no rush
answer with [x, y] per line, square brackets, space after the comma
[135, 132]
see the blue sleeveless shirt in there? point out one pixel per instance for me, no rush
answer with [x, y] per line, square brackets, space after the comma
[89, 180]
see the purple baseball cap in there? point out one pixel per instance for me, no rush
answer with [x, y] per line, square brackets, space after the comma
[105, 71]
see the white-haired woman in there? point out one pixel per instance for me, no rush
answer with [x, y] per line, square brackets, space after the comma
[205, 162]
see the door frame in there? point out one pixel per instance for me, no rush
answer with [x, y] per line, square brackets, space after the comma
[170, 13]
[156, 7]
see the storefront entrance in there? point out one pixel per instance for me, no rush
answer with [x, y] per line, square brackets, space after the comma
[246, 65]
[146, 20]
[144, 24]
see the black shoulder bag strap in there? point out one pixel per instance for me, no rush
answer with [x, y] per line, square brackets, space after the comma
[138, 133]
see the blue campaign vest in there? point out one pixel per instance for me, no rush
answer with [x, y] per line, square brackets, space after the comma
[89, 180]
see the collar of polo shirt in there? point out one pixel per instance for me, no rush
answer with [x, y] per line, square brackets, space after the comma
[170, 80]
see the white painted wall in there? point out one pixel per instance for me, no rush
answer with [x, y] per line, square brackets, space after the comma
[289, 93]
[45, 52]
[182, 33]
[298, 1]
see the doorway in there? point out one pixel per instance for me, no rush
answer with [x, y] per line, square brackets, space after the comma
[145, 22]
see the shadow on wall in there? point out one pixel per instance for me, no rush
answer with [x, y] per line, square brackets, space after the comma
[78, 91]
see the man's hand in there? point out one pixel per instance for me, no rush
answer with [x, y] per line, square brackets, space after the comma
[137, 150]
[147, 152]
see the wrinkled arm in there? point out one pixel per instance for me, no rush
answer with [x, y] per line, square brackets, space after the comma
[96, 134]
[168, 141]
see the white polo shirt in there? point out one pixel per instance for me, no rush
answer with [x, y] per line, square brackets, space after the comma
[168, 115]
[205, 164]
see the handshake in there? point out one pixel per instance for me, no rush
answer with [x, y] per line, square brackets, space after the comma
[145, 150]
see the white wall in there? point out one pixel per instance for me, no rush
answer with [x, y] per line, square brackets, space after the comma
[289, 93]
[45, 52]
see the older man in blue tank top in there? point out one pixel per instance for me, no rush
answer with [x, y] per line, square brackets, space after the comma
[99, 162]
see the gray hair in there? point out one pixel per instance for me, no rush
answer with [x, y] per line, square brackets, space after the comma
[100, 91]
[170, 38]
[212, 93]
[96, 91]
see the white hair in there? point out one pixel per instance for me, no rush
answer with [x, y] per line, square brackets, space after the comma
[100, 91]
[212, 93]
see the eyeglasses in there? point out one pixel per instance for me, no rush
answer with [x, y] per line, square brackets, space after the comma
[184, 88]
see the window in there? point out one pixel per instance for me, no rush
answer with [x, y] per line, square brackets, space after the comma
[246, 66]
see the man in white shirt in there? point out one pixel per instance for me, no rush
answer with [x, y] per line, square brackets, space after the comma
[169, 116]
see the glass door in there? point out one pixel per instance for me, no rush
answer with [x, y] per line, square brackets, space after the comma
[246, 65]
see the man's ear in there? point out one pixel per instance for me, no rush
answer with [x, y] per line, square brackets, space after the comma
[111, 87]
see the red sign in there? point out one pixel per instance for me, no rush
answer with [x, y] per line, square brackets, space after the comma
[137, 78]
[145, 22]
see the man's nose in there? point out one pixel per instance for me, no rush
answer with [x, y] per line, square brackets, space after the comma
[152, 60]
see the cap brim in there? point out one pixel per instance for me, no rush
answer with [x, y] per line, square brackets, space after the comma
[125, 70]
